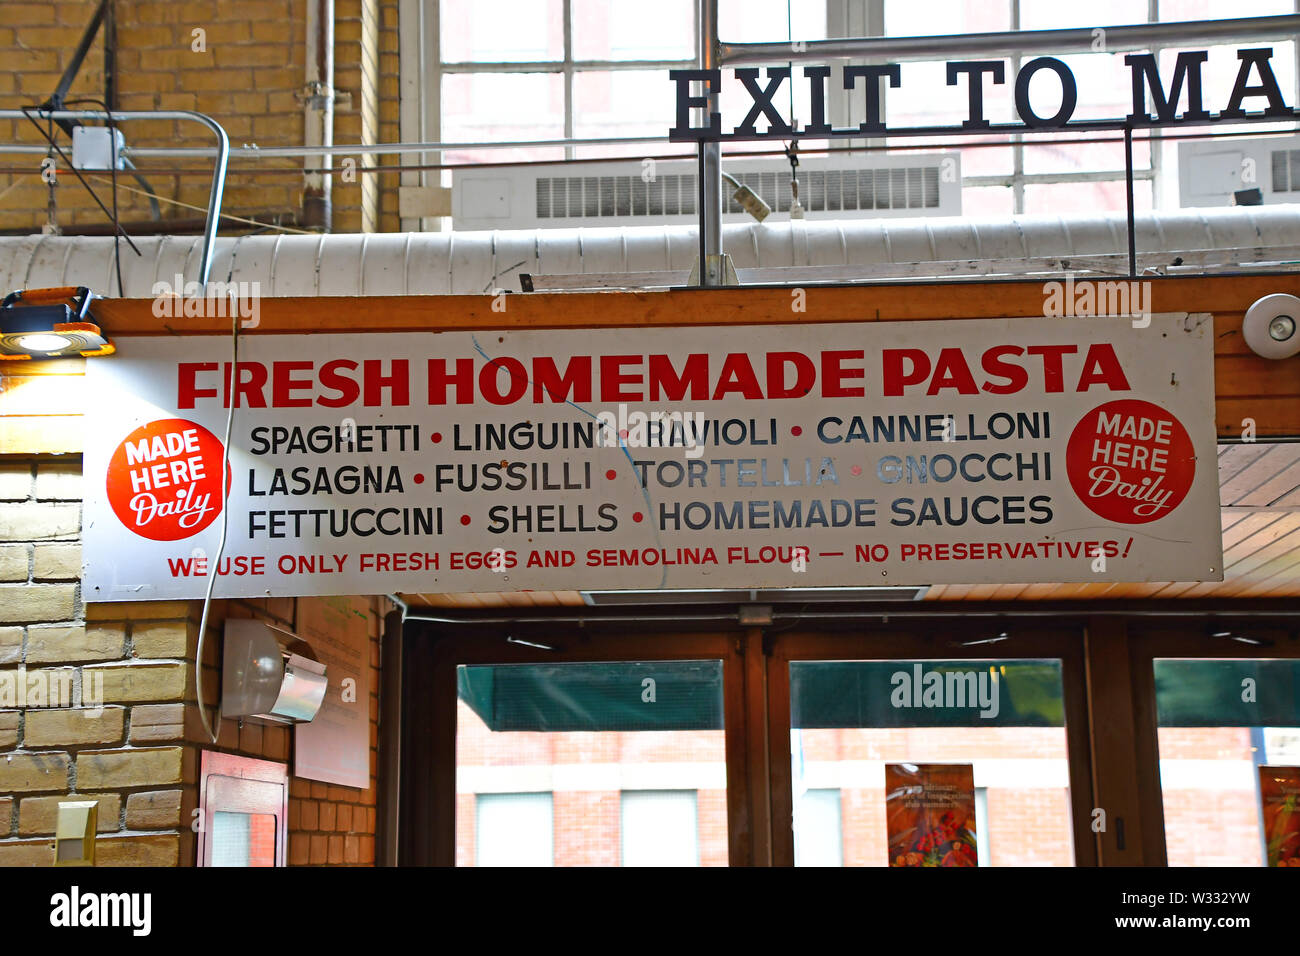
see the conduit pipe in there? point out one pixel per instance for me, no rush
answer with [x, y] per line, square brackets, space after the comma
[469, 262]
[318, 116]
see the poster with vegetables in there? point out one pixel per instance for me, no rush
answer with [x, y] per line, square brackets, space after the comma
[930, 814]
[1279, 794]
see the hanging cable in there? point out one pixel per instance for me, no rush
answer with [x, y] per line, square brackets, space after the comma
[215, 566]
[792, 154]
[50, 173]
[49, 137]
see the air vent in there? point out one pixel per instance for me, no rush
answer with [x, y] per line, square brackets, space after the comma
[1286, 170]
[635, 192]
[1211, 172]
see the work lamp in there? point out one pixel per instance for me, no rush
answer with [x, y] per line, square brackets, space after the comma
[50, 323]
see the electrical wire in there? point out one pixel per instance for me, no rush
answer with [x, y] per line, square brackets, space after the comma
[221, 541]
[26, 111]
[224, 215]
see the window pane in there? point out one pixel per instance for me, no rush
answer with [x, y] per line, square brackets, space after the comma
[510, 31]
[594, 737]
[1219, 722]
[502, 107]
[1213, 9]
[1082, 199]
[1004, 719]
[514, 829]
[980, 202]
[1061, 153]
[623, 103]
[818, 837]
[1054, 15]
[243, 839]
[765, 21]
[907, 18]
[660, 828]
[626, 31]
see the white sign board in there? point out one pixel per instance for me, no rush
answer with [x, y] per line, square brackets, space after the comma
[847, 454]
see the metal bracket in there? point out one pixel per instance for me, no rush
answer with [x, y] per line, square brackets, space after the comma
[318, 95]
[719, 271]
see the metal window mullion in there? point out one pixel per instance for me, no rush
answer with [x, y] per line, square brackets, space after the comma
[1017, 141]
[567, 17]
[558, 66]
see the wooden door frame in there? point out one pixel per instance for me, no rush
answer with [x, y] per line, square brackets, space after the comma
[429, 751]
[1149, 639]
[931, 640]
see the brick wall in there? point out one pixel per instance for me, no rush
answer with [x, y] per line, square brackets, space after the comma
[139, 757]
[246, 76]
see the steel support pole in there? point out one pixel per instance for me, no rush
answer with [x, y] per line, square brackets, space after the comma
[711, 273]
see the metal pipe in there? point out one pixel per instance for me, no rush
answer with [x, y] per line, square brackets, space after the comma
[379, 149]
[218, 172]
[711, 157]
[894, 49]
[318, 115]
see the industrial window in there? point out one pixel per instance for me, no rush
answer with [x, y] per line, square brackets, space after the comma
[515, 829]
[515, 70]
[659, 828]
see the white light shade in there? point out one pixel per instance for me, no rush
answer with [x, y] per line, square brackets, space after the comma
[1267, 330]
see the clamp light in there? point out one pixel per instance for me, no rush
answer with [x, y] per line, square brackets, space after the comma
[50, 323]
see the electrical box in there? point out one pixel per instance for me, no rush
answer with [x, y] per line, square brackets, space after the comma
[269, 674]
[74, 832]
[95, 147]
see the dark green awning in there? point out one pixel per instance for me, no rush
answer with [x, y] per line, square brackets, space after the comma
[1228, 693]
[687, 695]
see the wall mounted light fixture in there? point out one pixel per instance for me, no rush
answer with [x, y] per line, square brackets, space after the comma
[50, 323]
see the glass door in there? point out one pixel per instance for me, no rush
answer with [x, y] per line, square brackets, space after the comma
[969, 751]
[1226, 774]
[574, 748]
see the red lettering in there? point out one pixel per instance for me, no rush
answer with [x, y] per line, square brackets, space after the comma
[737, 375]
[548, 383]
[347, 388]
[1017, 378]
[951, 372]
[893, 378]
[398, 383]
[834, 374]
[663, 377]
[805, 374]
[463, 379]
[489, 380]
[1053, 375]
[186, 388]
[283, 385]
[1101, 366]
[612, 378]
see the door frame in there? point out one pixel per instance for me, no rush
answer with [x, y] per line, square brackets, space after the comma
[1150, 639]
[932, 640]
[429, 731]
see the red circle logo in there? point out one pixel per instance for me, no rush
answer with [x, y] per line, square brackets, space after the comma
[1130, 461]
[164, 480]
